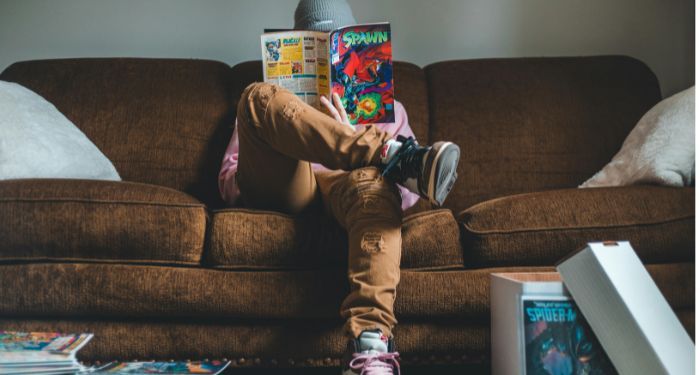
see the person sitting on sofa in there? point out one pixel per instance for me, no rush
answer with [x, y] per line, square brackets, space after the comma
[287, 156]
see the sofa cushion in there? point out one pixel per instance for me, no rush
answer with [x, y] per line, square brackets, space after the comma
[90, 220]
[242, 238]
[409, 80]
[541, 228]
[533, 124]
[160, 121]
[86, 291]
[39, 142]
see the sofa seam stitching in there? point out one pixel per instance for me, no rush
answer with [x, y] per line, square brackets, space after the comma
[558, 229]
[100, 201]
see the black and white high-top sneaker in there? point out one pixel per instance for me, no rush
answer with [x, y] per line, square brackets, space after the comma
[427, 171]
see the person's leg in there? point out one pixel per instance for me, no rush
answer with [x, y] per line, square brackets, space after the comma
[368, 206]
[277, 121]
[266, 178]
[279, 135]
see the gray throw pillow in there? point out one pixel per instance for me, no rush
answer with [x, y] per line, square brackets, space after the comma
[37, 141]
[660, 150]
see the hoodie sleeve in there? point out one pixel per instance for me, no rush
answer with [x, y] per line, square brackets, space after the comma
[227, 176]
[401, 127]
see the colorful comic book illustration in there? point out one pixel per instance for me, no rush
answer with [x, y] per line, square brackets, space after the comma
[362, 72]
[558, 340]
[165, 368]
[52, 342]
[353, 61]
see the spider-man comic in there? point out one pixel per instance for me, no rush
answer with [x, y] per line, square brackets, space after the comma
[559, 341]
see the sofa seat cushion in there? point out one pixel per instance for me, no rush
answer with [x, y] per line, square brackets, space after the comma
[87, 290]
[541, 228]
[90, 220]
[272, 343]
[242, 238]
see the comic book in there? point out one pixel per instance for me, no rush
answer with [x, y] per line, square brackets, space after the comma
[50, 342]
[164, 368]
[48, 353]
[353, 61]
[558, 340]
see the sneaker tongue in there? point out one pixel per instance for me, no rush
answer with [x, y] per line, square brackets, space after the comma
[373, 342]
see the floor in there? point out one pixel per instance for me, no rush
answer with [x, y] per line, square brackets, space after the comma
[405, 370]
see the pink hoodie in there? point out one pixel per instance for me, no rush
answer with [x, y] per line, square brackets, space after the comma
[227, 181]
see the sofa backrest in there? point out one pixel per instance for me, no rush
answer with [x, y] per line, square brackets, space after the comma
[533, 124]
[160, 121]
[523, 124]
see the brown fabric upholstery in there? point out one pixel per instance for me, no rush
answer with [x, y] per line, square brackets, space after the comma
[243, 238]
[160, 121]
[260, 343]
[533, 124]
[409, 81]
[271, 343]
[66, 219]
[541, 228]
[524, 125]
[88, 291]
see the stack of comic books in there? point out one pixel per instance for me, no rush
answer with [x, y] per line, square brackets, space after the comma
[45, 353]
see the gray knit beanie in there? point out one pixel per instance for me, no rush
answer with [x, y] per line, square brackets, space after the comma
[322, 15]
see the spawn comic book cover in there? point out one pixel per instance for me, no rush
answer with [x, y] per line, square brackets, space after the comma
[559, 341]
[362, 72]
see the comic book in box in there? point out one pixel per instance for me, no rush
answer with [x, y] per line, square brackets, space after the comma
[537, 328]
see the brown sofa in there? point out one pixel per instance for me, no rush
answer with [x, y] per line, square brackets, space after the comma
[158, 268]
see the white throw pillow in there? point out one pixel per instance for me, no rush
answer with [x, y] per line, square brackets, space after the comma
[659, 150]
[37, 141]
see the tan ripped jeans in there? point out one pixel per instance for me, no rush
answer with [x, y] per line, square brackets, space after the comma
[279, 136]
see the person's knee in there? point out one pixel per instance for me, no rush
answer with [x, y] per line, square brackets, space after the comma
[260, 93]
[371, 194]
[255, 100]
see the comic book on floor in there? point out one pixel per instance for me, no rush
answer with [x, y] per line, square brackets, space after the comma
[354, 62]
[164, 368]
[47, 353]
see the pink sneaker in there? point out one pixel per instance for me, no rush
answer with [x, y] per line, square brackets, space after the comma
[371, 354]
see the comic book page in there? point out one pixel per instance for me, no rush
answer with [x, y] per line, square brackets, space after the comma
[290, 59]
[362, 72]
[322, 66]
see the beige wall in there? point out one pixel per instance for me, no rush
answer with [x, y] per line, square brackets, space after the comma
[659, 32]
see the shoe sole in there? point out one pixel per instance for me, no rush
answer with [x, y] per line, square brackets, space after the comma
[443, 171]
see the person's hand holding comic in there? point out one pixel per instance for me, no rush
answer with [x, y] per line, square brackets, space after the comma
[336, 109]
